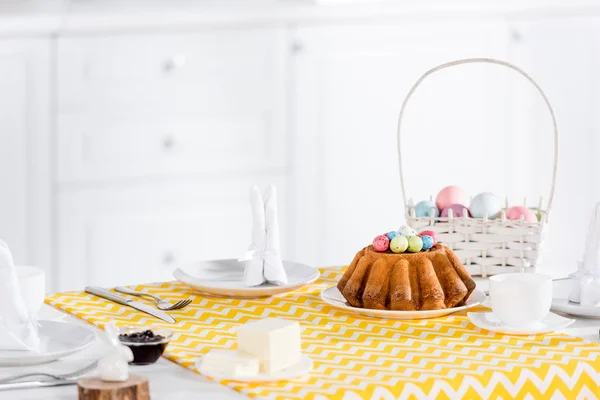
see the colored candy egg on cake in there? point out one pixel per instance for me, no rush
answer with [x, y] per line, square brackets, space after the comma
[426, 208]
[515, 213]
[399, 244]
[406, 230]
[450, 195]
[392, 234]
[485, 203]
[458, 211]
[432, 234]
[415, 244]
[427, 242]
[381, 243]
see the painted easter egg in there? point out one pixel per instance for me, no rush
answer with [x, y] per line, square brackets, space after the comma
[381, 243]
[515, 213]
[426, 208]
[485, 203]
[415, 244]
[450, 195]
[406, 230]
[432, 234]
[427, 242]
[399, 244]
[458, 211]
[392, 234]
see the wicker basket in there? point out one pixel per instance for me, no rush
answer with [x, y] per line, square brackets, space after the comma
[486, 247]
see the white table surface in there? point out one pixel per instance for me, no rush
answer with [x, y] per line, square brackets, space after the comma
[169, 381]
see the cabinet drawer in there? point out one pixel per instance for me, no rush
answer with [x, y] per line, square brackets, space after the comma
[215, 71]
[141, 234]
[94, 148]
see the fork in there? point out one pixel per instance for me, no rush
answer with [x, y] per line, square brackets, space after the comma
[70, 376]
[161, 304]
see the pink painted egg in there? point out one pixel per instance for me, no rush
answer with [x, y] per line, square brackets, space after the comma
[450, 195]
[432, 234]
[458, 211]
[381, 243]
[515, 213]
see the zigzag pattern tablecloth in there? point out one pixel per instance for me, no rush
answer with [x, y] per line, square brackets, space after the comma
[359, 357]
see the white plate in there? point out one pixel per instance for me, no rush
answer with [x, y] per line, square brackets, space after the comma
[302, 368]
[565, 306]
[225, 278]
[58, 340]
[333, 297]
[488, 321]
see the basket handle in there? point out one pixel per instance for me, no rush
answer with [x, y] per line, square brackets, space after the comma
[471, 61]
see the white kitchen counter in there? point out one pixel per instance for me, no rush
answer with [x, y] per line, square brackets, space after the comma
[39, 18]
[169, 381]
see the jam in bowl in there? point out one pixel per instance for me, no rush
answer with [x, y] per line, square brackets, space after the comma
[146, 344]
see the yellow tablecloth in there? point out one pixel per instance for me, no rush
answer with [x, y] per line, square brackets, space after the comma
[359, 357]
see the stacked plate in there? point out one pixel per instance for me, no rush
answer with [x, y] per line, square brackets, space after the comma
[58, 340]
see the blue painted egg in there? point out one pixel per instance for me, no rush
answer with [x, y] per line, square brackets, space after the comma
[426, 208]
[392, 235]
[427, 242]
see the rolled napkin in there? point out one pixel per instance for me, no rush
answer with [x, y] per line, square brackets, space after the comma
[586, 289]
[18, 329]
[263, 258]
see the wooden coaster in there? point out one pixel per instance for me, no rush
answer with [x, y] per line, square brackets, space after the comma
[94, 388]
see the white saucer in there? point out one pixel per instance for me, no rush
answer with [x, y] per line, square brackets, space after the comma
[224, 278]
[58, 340]
[489, 321]
[302, 368]
[567, 307]
[333, 297]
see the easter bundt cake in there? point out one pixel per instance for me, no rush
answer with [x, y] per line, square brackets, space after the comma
[428, 280]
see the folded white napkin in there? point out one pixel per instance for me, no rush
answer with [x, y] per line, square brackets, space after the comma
[263, 258]
[18, 329]
[586, 289]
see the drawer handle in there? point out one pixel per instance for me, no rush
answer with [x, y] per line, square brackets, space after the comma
[175, 62]
[168, 142]
[168, 258]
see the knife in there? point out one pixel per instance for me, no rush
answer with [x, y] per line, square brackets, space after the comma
[138, 305]
[34, 384]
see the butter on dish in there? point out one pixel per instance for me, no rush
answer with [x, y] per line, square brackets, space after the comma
[265, 346]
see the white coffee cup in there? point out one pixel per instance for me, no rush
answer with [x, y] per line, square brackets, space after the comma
[32, 281]
[521, 299]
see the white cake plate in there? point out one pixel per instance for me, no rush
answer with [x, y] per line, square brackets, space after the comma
[58, 340]
[224, 278]
[299, 370]
[489, 321]
[334, 298]
[567, 307]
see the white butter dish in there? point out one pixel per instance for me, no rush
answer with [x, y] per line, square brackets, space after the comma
[229, 363]
[297, 371]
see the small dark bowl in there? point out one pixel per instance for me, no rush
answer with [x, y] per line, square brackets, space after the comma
[148, 352]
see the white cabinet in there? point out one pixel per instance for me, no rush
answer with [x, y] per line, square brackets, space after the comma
[142, 232]
[562, 54]
[349, 83]
[159, 137]
[25, 131]
[162, 104]
[132, 153]
[91, 148]
[221, 71]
